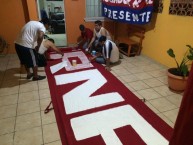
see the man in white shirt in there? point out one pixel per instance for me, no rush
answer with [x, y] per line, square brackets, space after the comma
[32, 32]
[97, 33]
[109, 54]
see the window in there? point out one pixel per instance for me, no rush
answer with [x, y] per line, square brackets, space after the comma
[93, 10]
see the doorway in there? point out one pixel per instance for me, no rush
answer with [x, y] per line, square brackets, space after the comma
[54, 10]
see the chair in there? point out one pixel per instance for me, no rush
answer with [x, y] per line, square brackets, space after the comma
[133, 46]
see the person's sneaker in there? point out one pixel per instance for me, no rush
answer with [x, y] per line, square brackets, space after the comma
[29, 76]
[38, 78]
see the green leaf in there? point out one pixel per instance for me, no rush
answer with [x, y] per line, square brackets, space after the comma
[189, 46]
[184, 70]
[191, 52]
[171, 53]
[190, 57]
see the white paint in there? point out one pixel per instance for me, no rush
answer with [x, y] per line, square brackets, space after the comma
[58, 67]
[149, 1]
[104, 122]
[55, 56]
[85, 63]
[79, 98]
[136, 3]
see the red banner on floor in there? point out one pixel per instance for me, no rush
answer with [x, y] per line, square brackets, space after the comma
[93, 107]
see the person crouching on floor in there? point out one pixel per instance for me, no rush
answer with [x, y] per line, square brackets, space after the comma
[48, 44]
[109, 54]
[42, 55]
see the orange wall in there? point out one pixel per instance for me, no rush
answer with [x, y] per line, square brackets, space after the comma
[32, 8]
[13, 16]
[74, 13]
[12, 19]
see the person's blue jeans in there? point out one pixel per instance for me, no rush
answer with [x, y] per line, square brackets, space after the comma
[100, 60]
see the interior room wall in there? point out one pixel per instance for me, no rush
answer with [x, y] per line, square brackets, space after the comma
[53, 4]
[170, 31]
[75, 14]
[32, 8]
[11, 21]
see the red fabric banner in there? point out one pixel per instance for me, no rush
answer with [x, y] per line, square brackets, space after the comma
[92, 107]
[183, 129]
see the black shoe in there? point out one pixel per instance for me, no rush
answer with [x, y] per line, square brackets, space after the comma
[38, 78]
[29, 76]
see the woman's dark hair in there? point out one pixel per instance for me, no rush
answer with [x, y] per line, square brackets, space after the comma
[52, 40]
[81, 27]
[102, 38]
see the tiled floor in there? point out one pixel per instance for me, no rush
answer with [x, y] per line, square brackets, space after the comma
[22, 102]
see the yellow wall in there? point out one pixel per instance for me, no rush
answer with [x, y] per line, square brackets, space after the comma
[170, 31]
[165, 31]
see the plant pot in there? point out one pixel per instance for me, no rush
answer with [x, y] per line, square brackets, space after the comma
[176, 83]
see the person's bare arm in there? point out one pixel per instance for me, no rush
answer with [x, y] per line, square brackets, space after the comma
[40, 39]
[88, 40]
[92, 40]
[80, 42]
[52, 46]
[94, 57]
[104, 32]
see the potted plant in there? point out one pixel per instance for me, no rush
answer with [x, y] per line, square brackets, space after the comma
[177, 77]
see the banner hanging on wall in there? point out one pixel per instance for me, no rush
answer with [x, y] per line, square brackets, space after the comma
[128, 11]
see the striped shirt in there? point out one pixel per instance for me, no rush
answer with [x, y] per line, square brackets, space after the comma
[111, 51]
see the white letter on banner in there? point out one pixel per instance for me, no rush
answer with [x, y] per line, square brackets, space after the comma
[125, 2]
[127, 16]
[135, 17]
[119, 1]
[79, 98]
[142, 16]
[115, 15]
[148, 16]
[105, 10]
[121, 15]
[104, 122]
[109, 13]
